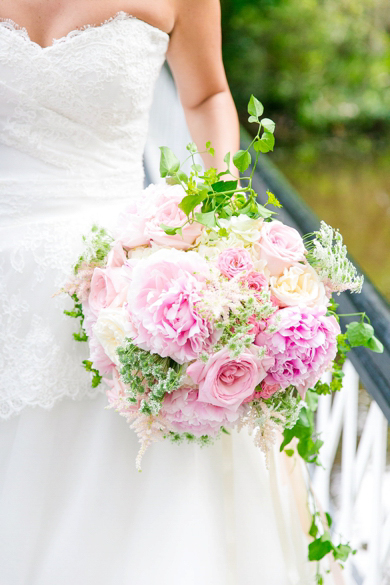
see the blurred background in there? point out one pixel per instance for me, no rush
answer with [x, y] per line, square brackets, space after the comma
[322, 70]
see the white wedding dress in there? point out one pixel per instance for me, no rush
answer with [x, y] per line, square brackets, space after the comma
[73, 510]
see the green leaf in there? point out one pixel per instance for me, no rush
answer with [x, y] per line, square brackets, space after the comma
[197, 168]
[242, 160]
[359, 333]
[261, 146]
[313, 528]
[253, 119]
[311, 400]
[212, 151]
[255, 108]
[289, 452]
[169, 230]
[169, 163]
[222, 186]
[189, 202]
[320, 548]
[206, 219]
[268, 125]
[329, 519]
[208, 144]
[375, 345]
[269, 139]
[182, 176]
[226, 159]
[342, 552]
[264, 212]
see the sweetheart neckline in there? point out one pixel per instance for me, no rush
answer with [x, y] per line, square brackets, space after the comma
[121, 15]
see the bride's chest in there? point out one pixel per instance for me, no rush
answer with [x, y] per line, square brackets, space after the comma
[102, 71]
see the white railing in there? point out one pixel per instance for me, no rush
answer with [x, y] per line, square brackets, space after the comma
[360, 483]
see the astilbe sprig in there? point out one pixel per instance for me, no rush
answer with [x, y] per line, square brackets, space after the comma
[97, 246]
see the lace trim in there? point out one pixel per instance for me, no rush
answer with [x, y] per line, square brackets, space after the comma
[11, 25]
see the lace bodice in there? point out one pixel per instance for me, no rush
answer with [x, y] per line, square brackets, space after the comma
[73, 126]
[83, 102]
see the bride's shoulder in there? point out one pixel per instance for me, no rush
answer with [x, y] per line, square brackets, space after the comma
[194, 13]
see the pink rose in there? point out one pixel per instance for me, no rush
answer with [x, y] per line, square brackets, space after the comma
[102, 291]
[268, 390]
[186, 413]
[130, 230]
[109, 287]
[233, 261]
[99, 358]
[280, 246]
[225, 381]
[255, 281]
[162, 302]
[167, 212]
[116, 256]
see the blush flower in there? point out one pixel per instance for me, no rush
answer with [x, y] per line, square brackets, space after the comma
[280, 246]
[255, 281]
[227, 382]
[304, 346]
[233, 261]
[162, 299]
[298, 285]
[187, 413]
[166, 211]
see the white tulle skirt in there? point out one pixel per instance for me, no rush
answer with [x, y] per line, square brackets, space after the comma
[74, 511]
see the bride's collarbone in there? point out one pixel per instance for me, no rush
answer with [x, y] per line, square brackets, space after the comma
[46, 20]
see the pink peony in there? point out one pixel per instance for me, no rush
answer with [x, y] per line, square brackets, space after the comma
[225, 381]
[162, 302]
[280, 246]
[187, 413]
[166, 211]
[304, 346]
[233, 261]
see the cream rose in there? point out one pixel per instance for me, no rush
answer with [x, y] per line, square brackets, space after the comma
[244, 227]
[111, 329]
[297, 285]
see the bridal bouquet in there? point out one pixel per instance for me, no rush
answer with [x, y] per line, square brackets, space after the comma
[204, 313]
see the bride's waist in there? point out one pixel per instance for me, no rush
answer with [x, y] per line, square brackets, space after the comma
[34, 197]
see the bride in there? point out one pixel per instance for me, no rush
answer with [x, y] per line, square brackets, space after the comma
[76, 84]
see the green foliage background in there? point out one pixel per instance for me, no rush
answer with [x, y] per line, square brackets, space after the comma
[322, 70]
[319, 66]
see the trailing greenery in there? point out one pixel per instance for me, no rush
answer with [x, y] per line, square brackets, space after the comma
[96, 247]
[77, 313]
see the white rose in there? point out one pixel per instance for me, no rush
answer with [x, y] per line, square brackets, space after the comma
[297, 285]
[143, 252]
[243, 226]
[111, 329]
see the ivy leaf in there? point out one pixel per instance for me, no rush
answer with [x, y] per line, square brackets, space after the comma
[189, 202]
[208, 144]
[289, 452]
[264, 212]
[222, 186]
[311, 400]
[329, 519]
[268, 125]
[342, 552]
[170, 231]
[253, 119]
[269, 139]
[261, 146]
[169, 163]
[197, 168]
[206, 219]
[242, 160]
[359, 333]
[255, 108]
[375, 345]
[226, 159]
[320, 547]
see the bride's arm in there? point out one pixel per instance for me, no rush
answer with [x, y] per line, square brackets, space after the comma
[195, 58]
